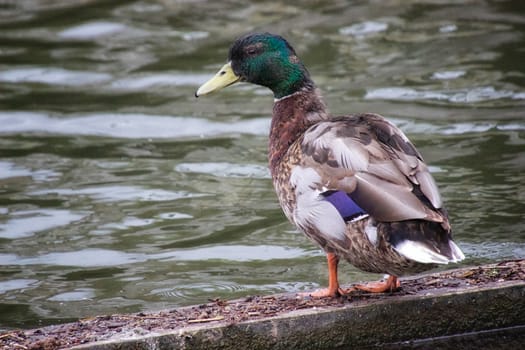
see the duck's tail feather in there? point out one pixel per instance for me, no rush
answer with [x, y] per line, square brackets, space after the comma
[423, 253]
[424, 241]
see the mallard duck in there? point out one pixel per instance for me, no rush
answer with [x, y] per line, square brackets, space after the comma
[353, 184]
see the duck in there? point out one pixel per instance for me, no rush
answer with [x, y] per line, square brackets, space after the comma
[354, 184]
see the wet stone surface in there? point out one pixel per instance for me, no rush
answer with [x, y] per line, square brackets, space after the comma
[101, 328]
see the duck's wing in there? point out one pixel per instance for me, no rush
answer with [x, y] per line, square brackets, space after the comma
[372, 161]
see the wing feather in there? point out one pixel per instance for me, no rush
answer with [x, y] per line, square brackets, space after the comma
[373, 161]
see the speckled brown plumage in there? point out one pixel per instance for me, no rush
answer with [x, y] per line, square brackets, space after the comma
[287, 150]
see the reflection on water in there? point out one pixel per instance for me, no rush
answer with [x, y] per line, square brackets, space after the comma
[477, 94]
[25, 223]
[127, 125]
[92, 30]
[225, 169]
[120, 192]
[52, 76]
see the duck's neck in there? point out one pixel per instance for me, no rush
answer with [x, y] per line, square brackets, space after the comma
[292, 115]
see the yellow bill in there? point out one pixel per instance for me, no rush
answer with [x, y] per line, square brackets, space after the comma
[224, 77]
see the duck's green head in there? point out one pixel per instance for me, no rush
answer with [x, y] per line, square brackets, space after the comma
[263, 59]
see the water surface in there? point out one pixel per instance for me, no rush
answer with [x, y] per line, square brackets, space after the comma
[120, 192]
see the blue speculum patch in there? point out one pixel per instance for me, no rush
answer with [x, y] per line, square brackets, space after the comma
[347, 208]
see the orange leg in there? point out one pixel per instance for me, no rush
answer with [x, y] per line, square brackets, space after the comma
[333, 284]
[390, 285]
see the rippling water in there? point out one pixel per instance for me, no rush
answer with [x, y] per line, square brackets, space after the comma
[120, 192]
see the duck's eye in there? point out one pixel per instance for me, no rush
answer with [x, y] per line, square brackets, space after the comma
[252, 50]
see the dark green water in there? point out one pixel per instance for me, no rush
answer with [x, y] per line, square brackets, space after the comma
[121, 192]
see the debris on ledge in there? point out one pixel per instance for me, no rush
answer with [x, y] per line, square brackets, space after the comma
[439, 304]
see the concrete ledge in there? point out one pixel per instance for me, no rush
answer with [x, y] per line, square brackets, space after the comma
[448, 303]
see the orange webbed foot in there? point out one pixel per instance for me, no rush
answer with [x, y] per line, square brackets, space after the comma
[390, 285]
